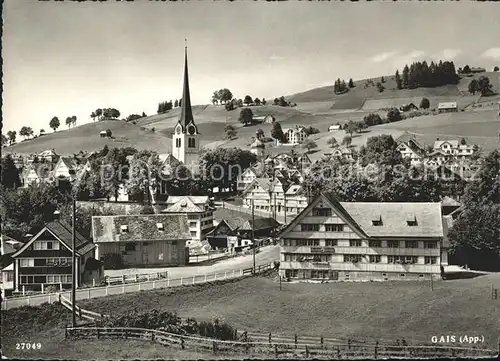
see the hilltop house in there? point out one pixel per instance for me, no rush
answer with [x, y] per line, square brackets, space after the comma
[334, 128]
[143, 240]
[332, 240]
[269, 119]
[295, 135]
[236, 233]
[46, 259]
[447, 107]
[199, 212]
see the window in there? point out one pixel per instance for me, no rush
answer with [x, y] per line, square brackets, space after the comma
[430, 244]
[129, 247]
[49, 245]
[330, 242]
[430, 260]
[402, 259]
[375, 244]
[307, 242]
[26, 262]
[354, 258]
[174, 243]
[334, 227]
[377, 221]
[10, 276]
[44, 245]
[124, 228]
[355, 243]
[412, 222]
[322, 212]
[192, 233]
[393, 244]
[191, 143]
[27, 279]
[375, 259]
[411, 244]
[402, 275]
[309, 227]
[40, 279]
[291, 273]
[39, 262]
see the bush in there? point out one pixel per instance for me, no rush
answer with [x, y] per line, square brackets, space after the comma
[394, 115]
[147, 210]
[153, 129]
[112, 261]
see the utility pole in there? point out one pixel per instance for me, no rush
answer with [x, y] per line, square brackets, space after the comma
[253, 234]
[73, 284]
[284, 201]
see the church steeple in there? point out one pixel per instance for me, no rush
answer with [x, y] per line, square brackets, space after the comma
[186, 111]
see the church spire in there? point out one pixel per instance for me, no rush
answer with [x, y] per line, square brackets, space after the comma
[186, 111]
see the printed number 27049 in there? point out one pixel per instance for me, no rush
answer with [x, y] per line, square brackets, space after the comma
[28, 346]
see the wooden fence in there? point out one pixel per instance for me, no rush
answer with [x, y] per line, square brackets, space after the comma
[277, 349]
[139, 277]
[95, 292]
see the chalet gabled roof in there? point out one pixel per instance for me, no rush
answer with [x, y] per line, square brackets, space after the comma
[186, 204]
[142, 227]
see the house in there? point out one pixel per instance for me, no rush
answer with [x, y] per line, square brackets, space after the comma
[143, 240]
[449, 205]
[437, 157]
[341, 152]
[66, 167]
[8, 247]
[408, 107]
[454, 148]
[236, 233]
[258, 148]
[258, 192]
[103, 134]
[46, 259]
[447, 107]
[199, 212]
[295, 135]
[48, 156]
[269, 119]
[258, 119]
[245, 178]
[296, 200]
[412, 150]
[36, 173]
[332, 240]
[477, 70]
[334, 128]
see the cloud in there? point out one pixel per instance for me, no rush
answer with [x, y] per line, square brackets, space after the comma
[383, 56]
[493, 53]
[408, 58]
[448, 54]
[417, 54]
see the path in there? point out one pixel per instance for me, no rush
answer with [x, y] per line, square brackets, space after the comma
[265, 256]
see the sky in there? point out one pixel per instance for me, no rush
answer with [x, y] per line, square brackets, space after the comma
[70, 58]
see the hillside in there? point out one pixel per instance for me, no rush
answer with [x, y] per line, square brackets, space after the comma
[316, 107]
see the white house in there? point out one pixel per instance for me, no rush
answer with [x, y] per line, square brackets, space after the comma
[334, 128]
[447, 107]
[295, 135]
[66, 167]
[412, 150]
[454, 148]
[258, 148]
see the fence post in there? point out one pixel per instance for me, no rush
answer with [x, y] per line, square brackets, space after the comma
[106, 290]
[181, 281]
[321, 341]
[24, 290]
[60, 286]
[28, 300]
[182, 343]
[193, 280]
[89, 293]
[338, 352]
[93, 282]
[139, 285]
[154, 282]
[215, 276]
[349, 344]
[276, 350]
[123, 288]
[126, 333]
[123, 278]
[214, 347]
[98, 333]
[153, 336]
[205, 278]
[295, 340]
[136, 278]
[376, 349]
[307, 351]
[42, 287]
[269, 337]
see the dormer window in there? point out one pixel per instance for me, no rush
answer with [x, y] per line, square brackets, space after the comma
[124, 228]
[377, 221]
[159, 226]
[184, 204]
[411, 221]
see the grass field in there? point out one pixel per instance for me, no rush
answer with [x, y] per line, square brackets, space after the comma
[364, 311]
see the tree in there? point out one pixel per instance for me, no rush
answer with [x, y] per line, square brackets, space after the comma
[380, 150]
[372, 119]
[382, 79]
[5, 140]
[466, 70]
[257, 101]
[11, 135]
[264, 101]
[259, 133]
[248, 100]
[282, 102]
[225, 95]
[10, 178]
[68, 121]
[473, 86]
[347, 140]
[54, 123]
[215, 98]
[229, 132]
[406, 76]
[133, 117]
[496, 68]
[380, 87]
[463, 141]
[98, 113]
[229, 106]
[394, 115]
[246, 116]
[93, 116]
[351, 127]
[277, 132]
[339, 86]
[399, 81]
[308, 144]
[73, 120]
[176, 104]
[42, 131]
[26, 132]
[109, 133]
[332, 142]
[425, 103]
[144, 115]
[484, 85]
[351, 83]
[143, 175]
[311, 130]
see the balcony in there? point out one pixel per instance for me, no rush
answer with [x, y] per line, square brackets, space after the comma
[362, 267]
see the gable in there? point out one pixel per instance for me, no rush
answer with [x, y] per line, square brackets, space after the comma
[44, 235]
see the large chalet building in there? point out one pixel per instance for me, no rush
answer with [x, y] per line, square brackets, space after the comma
[332, 240]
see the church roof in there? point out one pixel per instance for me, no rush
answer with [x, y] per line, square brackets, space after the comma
[186, 110]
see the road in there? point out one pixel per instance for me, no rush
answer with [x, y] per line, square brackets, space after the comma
[266, 255]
